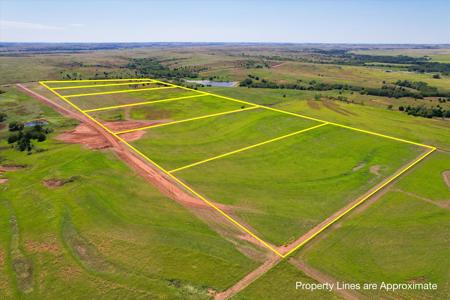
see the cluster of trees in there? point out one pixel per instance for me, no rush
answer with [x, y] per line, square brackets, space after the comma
[313, 85]
[430, 67]
[21, 137]
[254, 64]
[426, 112]
[153, 68]
[401, 88]
[415, 64]
[423, 87]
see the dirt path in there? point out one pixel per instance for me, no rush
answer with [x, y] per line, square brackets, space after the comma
[161, 181]
[279, 65]
[336, 215]
[249, 278]
[323, 278]
[445, 204]
[446, 175]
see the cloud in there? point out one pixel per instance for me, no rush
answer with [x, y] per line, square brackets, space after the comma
[27, 26]
[77, 25]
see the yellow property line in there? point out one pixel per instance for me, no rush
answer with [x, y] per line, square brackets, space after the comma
[281, 111]
[144, 103]
[301, 116]
[247, 148]
[361, 201]
[188, 120]
[98, 85]
[118, 92]
[98, 80]
[166, 172]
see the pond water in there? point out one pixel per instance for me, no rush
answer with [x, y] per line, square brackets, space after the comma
[34, 123]
[215, 83]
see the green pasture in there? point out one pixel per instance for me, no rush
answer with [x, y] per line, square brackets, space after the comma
[401, 238]
[97, 101]
[434, 132]
[284, 189]
[177, 145]
[170, 111]
[106, 233]
[279, 283]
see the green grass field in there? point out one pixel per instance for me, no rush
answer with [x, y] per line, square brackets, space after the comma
[353, 75]
[403, 237]
[170, 111]
[107, 234]
[279, 283]
[428, 131]
[177, 145]
[97, 89]
[97, 101]
[285, 188]
[328, 163]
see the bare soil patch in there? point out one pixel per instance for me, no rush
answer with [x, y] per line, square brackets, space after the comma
[446, 176]
[11, 167]
[375, 169]
[55, 182]
[313, 104]
[86, 135]
[323, 278]
[249, 278]
[3, 180]
[126, 125]
[358, 167]
[337, 108]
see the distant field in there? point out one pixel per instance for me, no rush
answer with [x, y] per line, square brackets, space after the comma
[403, 237]
[439, 55]
[353, 75]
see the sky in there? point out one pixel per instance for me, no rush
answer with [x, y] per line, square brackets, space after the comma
[313, 21]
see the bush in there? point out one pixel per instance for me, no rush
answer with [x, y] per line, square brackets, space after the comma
[15, 126]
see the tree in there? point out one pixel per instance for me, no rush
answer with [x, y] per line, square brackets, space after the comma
[15, 126]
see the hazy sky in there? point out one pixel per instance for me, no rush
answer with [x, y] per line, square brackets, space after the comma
[338, 21]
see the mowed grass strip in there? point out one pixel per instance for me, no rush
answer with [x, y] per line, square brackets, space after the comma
[177, 145]
[169, 111]
[401, 238]
[288, 187]
[98, 101]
